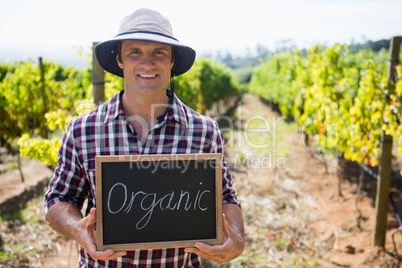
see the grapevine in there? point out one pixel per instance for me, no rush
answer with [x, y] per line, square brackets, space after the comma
[30, 105]
[335, 96]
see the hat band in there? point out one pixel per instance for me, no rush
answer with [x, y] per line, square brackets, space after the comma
[164, 35]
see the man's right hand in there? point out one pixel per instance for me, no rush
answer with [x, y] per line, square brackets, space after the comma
[86, 237]
[66, 219]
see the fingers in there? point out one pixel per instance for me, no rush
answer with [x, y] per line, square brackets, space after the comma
[91, 216]
[215, 253]
[104, 255]
[218, 253]
[210, 250]
[86, 237]
[212, 253]
[201, 248]
[227, 230]
[107, 254]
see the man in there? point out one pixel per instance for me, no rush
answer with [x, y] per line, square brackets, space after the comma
[143, 118]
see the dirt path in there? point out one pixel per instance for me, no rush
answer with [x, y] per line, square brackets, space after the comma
[34, 172]
[336, 216]
[293, 214]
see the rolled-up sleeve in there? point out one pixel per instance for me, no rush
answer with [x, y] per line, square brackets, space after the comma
[68, 183]
[228, 193]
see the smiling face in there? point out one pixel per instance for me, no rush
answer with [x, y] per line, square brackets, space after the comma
[146, 66]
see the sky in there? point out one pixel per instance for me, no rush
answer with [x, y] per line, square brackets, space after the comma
[56, 30]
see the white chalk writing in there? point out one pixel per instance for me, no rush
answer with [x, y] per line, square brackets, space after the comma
[147, 202]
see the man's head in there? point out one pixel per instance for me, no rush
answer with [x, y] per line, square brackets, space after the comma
[119, 45]
[146, 65]
[144, 25]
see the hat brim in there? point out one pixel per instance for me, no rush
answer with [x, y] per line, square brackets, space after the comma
[106, 52]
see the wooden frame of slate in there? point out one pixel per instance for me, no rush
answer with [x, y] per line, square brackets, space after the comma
[158, 201]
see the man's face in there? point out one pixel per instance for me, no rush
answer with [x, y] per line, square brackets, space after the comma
[146, 66]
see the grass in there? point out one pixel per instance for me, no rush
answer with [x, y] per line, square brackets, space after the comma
[9, 166]
[9, 217]
[262, 136]
[25, 238]
[31, 213]
[12, 165]
[6, 255]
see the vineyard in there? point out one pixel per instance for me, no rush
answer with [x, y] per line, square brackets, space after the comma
[329, 88]
[345, 104]
[350, 103]
[39, 100]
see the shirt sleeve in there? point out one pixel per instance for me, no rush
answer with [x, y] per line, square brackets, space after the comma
[229, 194]
[68, 183]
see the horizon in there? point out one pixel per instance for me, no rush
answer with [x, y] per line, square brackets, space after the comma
[77, 56]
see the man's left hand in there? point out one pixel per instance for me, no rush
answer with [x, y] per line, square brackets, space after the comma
[231, 248]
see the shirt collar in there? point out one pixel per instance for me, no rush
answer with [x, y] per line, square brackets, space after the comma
[114, 107]
[175, 110]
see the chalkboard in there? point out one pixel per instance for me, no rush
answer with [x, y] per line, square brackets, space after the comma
[158, 201]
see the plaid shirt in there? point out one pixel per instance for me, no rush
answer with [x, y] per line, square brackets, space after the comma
[107, 131]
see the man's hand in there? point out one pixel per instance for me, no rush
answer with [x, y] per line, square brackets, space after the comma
[86, 237]
[233, 242]
[67, 220]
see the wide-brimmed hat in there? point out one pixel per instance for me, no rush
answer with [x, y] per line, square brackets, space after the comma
[144, 25]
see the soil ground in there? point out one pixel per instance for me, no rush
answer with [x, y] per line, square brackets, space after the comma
[293, 213]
